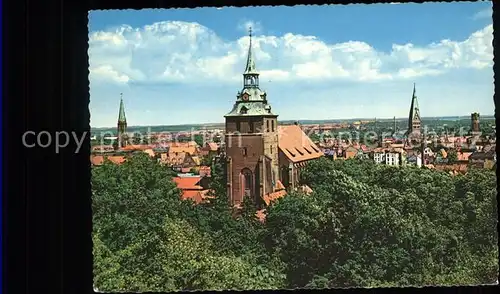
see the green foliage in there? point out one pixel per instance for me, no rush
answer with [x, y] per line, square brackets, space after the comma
[106, 267]
[199, 140]
[418, 226]
[207, 160]
[452, 156]
[365, 225]
[131, 199]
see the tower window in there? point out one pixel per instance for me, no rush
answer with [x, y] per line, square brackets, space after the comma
[252, 127]
[238, 126]
[272, 124]
[271, 149]
[267, 129]
[244, 151]
[247, 182]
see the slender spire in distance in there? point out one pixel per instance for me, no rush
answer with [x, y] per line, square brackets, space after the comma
[414, 97]
[414, 104]
[121, 114]
[414, 121]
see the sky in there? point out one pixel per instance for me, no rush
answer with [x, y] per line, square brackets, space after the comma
[184, 66]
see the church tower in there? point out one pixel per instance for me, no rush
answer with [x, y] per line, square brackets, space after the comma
[414, 122]
[475, 128]
[251, 140]
[122, 124]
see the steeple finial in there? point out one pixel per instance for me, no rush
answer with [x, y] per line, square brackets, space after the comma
[121, 114]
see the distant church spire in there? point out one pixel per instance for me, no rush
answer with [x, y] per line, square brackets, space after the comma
[250, 76]
[394, 126]
[414, 122]
[122, 124]
[121, 114]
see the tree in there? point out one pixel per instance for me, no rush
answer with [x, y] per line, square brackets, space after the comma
[199, 139]
[364, 225]
[293, 225]
[181, 258]
[132, 198]
[315, 137]
[452, 156]
[136, 140]
[106, 267]
[207, 160]
[397, 226]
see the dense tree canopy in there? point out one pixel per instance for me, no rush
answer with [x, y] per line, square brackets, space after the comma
[363, 225]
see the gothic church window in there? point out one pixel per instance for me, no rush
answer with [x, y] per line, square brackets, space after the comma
[247, 181]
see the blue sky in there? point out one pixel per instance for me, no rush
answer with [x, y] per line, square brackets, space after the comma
[316, 62]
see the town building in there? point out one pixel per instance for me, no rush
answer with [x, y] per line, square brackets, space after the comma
[96, 160]
[178, 161]
[252, 148]
[414, 160]
[193, 187]
[486, 158]
[389, 156]
[210, 149]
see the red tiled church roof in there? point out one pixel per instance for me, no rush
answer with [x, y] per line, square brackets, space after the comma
[296, 145]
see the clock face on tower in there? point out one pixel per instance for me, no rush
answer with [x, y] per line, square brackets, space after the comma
[245, 97]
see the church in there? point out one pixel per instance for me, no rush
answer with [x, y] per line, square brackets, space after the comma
[263, 160]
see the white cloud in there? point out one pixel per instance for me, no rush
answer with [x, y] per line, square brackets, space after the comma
[176, 51]
[107, 73]
[482, 14]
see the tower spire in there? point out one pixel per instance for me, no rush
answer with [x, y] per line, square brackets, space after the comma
[414, 122]
[250, 67]
[121, 114]
[122, 124]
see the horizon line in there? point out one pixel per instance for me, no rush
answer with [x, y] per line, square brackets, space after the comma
[293, 120]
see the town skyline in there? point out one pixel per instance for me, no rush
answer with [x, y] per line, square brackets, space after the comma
[312, 121]
[173, 96]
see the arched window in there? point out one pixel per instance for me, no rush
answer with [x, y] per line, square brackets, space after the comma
[247, 181]
[285, 175]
